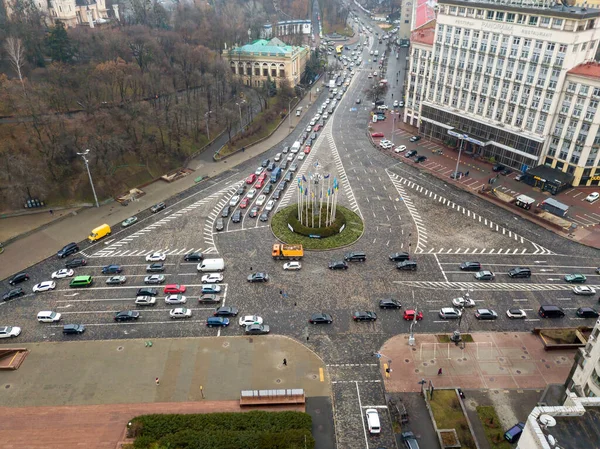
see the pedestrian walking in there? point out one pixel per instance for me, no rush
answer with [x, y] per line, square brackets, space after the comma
[51, 212]
[284, 362]
[157, 381]
[467, 173]
[440, 372]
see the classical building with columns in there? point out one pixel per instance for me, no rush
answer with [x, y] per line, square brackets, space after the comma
[271, 59]
[517, 78]
[71, 12]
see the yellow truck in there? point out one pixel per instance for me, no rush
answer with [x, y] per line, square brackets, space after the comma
[282, 251]
[99, 232]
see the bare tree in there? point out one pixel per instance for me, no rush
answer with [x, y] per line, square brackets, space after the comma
[16, 53]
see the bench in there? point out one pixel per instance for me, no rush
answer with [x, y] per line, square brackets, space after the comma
[272, 397]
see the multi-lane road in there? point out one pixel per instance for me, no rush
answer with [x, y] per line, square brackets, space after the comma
[403, 210]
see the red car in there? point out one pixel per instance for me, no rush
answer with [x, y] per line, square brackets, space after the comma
[262, 177]
[244, 203]
[259, 184]
[317, 128]
[174, 288]
[409, 315]
[306, 149]
[250, 179]
[377, 135]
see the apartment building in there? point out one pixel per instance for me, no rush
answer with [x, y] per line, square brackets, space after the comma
[515, 78]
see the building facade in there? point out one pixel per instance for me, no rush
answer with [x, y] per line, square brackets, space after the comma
[585, 375]
[71, 12]
[513, 79]
[286, 28]
[271, 59]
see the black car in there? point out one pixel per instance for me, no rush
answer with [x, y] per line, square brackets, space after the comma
[220, 225]
[320, 318]
[498, 167]
[127, 315]
[399, 257]
[519, 272]
[241, 190]
[283, 165]
[209, 299]
[226, 212]
[470, 266]
[389, 304]
[147, 291]
[226, 311]
[155, 267]
[264, 216]
[237, 216]
[12, 294]
[283, 185]
[76, 262]
[506, 172]
[268, 188]
[193, 257]
[485, 314]
[288, 176]
[158, 207]
[73, 329]
[271, 166]
[407, 265]
[67, 250]
[254, 212]
[265, 163]
[112, 269]
[258, 277]
[587, 312]
[364, 316]
[338, 265]
[410, 153]
[18, 278]
[421, 159]
[355, 256]
[277, 194]
[414, 139]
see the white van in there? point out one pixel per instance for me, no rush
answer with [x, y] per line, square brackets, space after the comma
[48, 316]
[211, 265]
[296, 147]
[373, 420]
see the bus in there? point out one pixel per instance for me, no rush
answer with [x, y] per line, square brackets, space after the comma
[339, 49]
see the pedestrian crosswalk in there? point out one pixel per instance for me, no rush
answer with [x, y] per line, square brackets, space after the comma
[521, 245]
[145, 252]
[486, 286]
[421, 231]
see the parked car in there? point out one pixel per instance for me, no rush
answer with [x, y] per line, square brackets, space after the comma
[258, 277]
[584, 290]
[193, 257]
[175, 299]
[226, 211]
[156, 257]
[226, 311]
[409, 315]
[75, 263]
[129, 221]
[127, 315]
[486, 314]
[212, 278]
[292, 266]
[254, 212]
[44, 286]
[399, 257]
[516, 314]
[180, 312]
[12, 294]
[485, 275]
[463, 302]
[257, 329]
[209, 299]
[9, 331]
[450, 313]
[587, 312]
[112, 269]
[220, 224]
[592, 197]
[414, 139]
[470, 266]
[158, 207]
[116, 280]
[62, 273]
[338, 265]
[73, 329]
[145, 301]
[155, 267]
[154, 279]
[217, 321]
[389, 304]
[320, 318]
[237, 216]
[174, 288]
[364, 316]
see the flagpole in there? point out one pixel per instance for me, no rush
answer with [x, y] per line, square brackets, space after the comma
[298, 193]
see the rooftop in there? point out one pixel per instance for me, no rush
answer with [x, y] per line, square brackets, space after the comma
[588, 69]
[551, 174]
[543, 8]
[425, 34]
[272, 47]
[577, 432]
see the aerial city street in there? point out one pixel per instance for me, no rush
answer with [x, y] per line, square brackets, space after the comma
[435, 255]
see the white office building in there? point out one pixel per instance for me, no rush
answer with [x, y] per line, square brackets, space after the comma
[515, 78]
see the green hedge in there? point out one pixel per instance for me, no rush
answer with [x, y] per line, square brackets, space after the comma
[257, 429]
[325, 231]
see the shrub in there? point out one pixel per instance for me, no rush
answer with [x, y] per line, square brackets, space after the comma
[323, 232]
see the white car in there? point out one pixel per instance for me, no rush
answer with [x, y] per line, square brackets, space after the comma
[328, 101]
[592, 197]
[313, 122]
[175, 299]
[47, 316]
[516, 314]
[250, 319]
[301, 157]
[44, 286]
[270, 205]
[386, 145]
[584, 290]
[395, 103]
[156, 257]
[258, 171]
[9, 331]
[234, 200]
[261, 200]
[317, 117]
[463, 302]
[400, 149]
[325, 116]
[292, 266]
[251, 193]
[145, 300]
[277, 157]
[180, 312]
[212, 278]
[61, 274]
[290, 157]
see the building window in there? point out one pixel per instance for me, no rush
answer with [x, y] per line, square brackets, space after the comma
[500, 16]
[521, 18]
[557, 24]
[545, 22]
[533, 20]
[490, 15]
[510, 17]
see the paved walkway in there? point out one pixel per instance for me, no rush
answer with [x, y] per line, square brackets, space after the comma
[500, 360]
[83, 393]
[55, 230]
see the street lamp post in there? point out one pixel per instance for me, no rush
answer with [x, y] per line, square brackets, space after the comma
[87, 166]
[462, 139]
[393, 126]
[239, 105]
[290, 114]
[206, 117]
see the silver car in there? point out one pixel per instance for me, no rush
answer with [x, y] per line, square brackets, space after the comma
[154, 279]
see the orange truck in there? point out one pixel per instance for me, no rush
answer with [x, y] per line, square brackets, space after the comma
[283, 251]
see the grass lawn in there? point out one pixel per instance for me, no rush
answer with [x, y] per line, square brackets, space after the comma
[350, 234]
[467, 338]
[493, 428]
[448, 414]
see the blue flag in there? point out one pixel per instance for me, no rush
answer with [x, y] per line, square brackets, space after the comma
[326, 176]
[303, 178]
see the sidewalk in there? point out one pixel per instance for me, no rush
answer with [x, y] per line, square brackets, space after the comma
[584, 215]
[53, 234]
